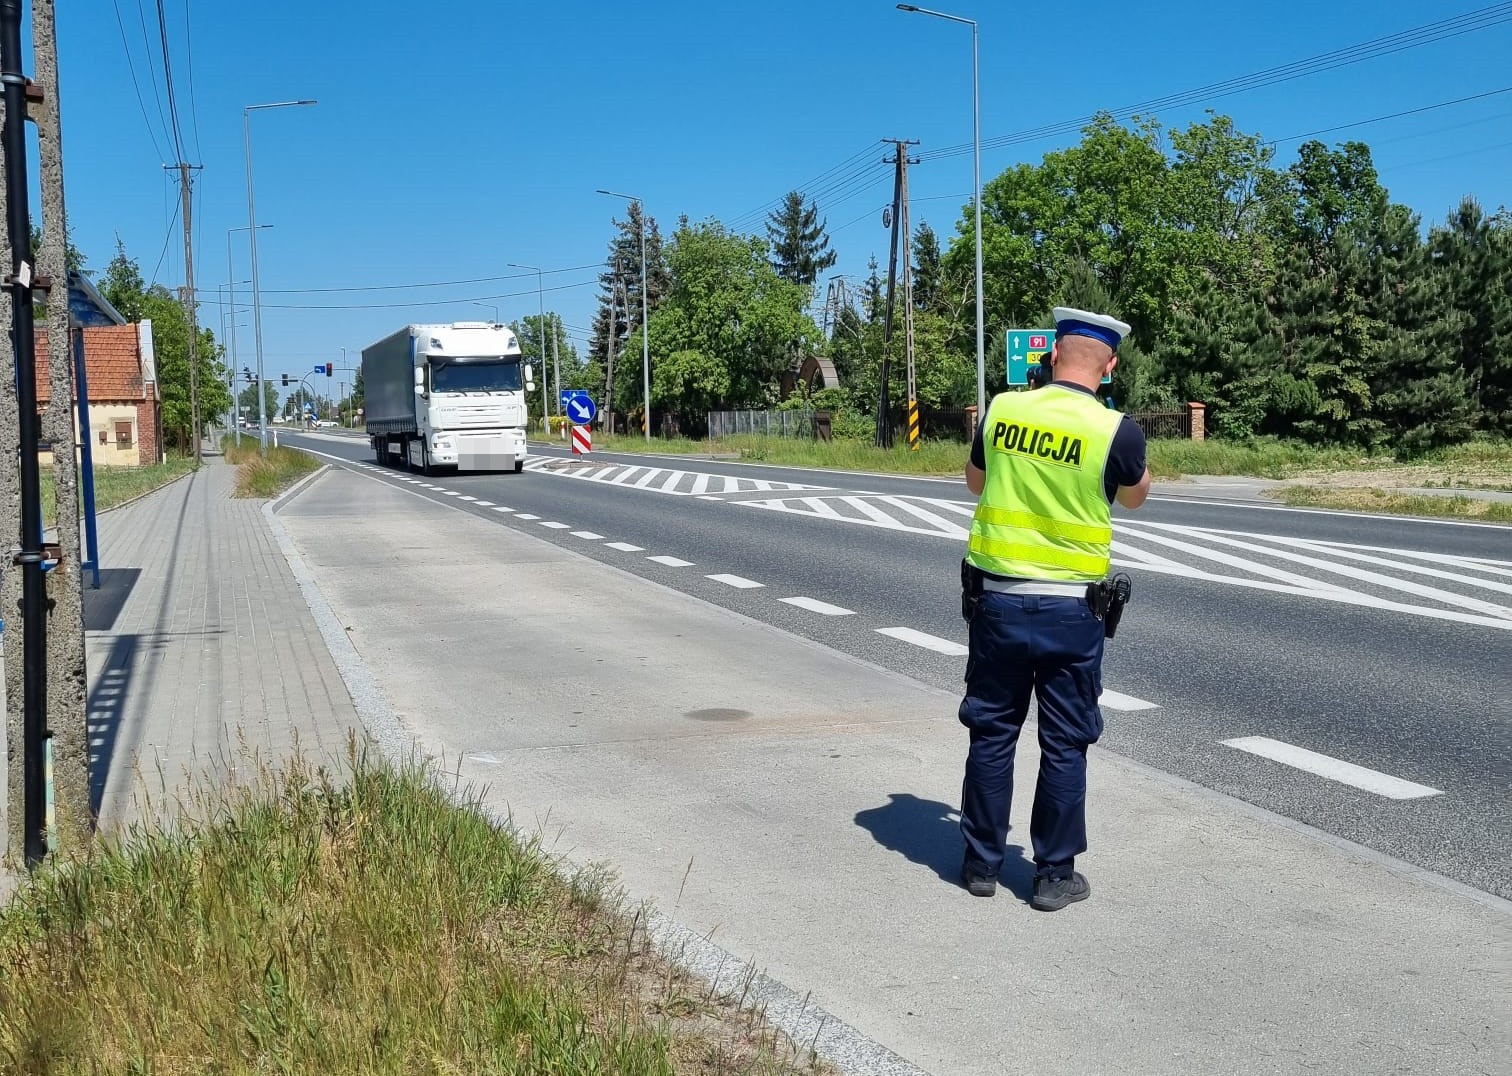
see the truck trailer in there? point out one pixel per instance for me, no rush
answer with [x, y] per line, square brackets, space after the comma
[447, 396]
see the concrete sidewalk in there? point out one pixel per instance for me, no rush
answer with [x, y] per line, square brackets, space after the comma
[199, 642]
[798, 806]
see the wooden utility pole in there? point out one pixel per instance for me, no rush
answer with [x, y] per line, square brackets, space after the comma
[186, 296]
[615, 294]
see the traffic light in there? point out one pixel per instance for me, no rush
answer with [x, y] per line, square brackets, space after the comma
[286, 380]
[330, 368]
[248, 373]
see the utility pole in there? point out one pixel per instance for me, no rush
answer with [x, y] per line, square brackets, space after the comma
[29, 555]
[908, 313]
[556, 365]
[900, 180]
[186, 296]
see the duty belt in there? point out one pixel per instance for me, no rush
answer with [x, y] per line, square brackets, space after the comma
[1044, 587]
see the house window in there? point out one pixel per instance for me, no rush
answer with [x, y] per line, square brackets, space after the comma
[123, 434]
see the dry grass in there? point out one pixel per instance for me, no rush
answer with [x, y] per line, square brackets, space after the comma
[1391, 502]
[305, 924]
[267, 474]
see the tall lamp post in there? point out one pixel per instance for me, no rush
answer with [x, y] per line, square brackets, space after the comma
[231, 299]
[541, 334]
[645, 319]
[976, 139]
[262, 405]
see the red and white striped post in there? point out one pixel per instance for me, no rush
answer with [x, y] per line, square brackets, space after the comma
[582, 440]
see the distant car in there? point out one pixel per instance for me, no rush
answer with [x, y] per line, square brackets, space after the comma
[325, 422]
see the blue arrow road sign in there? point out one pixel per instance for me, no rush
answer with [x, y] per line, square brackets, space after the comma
[320, 369]
[579, 406]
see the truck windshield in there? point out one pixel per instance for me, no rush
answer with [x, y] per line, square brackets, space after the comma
[476, 375]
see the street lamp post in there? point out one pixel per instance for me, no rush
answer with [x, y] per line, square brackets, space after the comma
[976, 140]
[645, 318]
[262, 406]
[541, 340]
[489, 306]
[231, 299]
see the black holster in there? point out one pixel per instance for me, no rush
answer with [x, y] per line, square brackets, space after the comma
[971, 589]
[1107, 600]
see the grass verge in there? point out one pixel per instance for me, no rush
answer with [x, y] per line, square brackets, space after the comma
[1390, 502]
[300, 924]
[267, 474]
[1477, 465]
[117, 485]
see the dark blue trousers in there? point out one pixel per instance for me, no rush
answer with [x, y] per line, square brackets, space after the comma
[1052, 646]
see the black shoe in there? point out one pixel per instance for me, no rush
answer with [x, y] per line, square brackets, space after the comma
[978, 882]
[1051, 895]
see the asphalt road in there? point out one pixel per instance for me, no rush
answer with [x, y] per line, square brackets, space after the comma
[1383, 646]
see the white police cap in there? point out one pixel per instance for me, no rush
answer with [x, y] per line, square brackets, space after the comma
[1072, 322]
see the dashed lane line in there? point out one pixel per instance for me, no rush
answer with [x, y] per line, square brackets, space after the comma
[526, 515]
[1116, 700]
[552, 525]
[671, 562]
[814, 605]
[587, 536]
[736, 581]
[1382, 784]
[501, 508]
[928, 642]
[625, 547]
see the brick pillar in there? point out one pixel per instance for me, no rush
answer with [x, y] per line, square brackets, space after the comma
[1197, 421]
[971, 423]
[147, 431]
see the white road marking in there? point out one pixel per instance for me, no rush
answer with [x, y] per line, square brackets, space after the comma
[451, 493]
[928, 642]
[671, 562]
[1382, 784]
[554, 526]
[501, 508]
[707, 497]
[467, 498]
[736, 581]
[527, 515]
[485, 504]
[587, 536]
[813, 605]
[625, 547]
[1116, 700]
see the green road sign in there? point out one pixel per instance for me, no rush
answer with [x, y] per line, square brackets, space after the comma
[1025, 346]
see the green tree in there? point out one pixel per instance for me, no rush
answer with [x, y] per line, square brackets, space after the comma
[1472, 255]
[122, 285]
[800, 247]
[927, 269]
[246, 401]
[727, 306]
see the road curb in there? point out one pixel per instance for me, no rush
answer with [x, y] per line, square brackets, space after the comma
[807, 1025]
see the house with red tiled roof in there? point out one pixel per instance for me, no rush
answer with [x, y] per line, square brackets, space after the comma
[120, 375]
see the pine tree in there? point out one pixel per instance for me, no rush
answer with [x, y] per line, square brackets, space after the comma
[800, 248]
[927, 270]
[1472, 254]
[872, 300]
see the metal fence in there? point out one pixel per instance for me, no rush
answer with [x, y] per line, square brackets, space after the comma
[1164, 423]
[763, 423]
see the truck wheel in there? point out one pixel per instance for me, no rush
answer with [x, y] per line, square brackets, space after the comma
[380, 449]
[519, 466]
[425, 463]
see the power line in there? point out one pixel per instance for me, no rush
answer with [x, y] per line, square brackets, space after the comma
[429, 284]
[1392, 116]
[1445, 29]
[425, 302]
[178, 139]
[166, 240]
[152, 72]
[193, 106]
[135, 85]
[767, 206]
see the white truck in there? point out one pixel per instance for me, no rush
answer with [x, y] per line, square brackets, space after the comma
[447, 396]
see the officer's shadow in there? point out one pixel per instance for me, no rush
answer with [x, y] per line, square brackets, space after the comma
[929, 833]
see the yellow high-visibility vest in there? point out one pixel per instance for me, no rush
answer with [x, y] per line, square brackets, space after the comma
[1044, 513]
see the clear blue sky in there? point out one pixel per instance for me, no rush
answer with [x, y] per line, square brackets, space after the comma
[451, 138]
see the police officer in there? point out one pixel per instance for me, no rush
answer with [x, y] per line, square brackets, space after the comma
[1046, 466]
